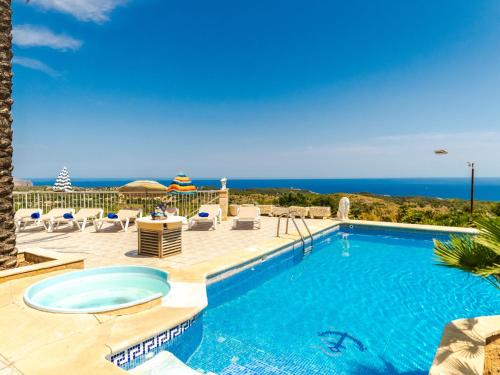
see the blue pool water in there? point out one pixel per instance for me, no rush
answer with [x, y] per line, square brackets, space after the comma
[364, 302]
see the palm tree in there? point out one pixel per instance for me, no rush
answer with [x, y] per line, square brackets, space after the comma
[8, 252]
[478, 255]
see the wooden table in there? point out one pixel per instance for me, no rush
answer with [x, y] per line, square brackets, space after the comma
[160, 238]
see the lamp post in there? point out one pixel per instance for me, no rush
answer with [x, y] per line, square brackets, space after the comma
[471, 165]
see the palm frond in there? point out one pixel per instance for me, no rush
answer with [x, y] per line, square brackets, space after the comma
[467, 254]
[489, 229]
[460, 252]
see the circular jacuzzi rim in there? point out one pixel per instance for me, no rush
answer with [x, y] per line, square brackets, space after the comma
[69, 275]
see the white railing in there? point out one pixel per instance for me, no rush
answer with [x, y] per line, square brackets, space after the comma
[112, 201]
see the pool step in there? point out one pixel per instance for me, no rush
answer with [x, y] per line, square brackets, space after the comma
[308, 250]
[256, 367]
[163, 363]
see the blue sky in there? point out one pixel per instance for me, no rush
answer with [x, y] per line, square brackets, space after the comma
[309, 88]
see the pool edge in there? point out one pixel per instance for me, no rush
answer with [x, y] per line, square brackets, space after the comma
[216, 272]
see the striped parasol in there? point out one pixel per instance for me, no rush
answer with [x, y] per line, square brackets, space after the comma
[181, 184]
[63, 182]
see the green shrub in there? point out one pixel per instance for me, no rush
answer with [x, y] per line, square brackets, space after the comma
[293, 199]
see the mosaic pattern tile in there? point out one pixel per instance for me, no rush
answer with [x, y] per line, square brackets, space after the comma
[138, 353]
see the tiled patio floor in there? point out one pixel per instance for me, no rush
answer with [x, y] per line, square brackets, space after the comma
[113, 246]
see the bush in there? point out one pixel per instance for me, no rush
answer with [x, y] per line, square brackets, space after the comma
[293, 199]
[414, 210]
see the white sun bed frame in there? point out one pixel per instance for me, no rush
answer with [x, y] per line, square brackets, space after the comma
[247, 215]
[81, 218]
[50, 217]
[22, 218]
[125, 217]
[214, 216]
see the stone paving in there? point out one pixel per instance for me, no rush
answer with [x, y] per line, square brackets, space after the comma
[112, 246]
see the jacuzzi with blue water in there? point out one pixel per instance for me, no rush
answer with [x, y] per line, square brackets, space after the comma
[98, 289]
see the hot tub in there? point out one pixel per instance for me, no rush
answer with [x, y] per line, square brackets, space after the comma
[98, 289]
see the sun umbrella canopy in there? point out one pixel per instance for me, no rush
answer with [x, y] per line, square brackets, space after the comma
[63, 182]
[143, 186]
[182, 184]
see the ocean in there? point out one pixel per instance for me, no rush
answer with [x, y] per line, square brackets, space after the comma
[485, 188]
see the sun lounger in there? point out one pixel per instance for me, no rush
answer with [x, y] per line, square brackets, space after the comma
[81, 218]
[25, 216]
[50, 217]
[247, 215]
[123, 217]
[210, 213]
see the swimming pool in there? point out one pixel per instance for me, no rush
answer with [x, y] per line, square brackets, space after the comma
[365, 301]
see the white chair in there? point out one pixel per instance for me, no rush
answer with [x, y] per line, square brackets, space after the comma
[172, 211]
[213, 215]
[247, 215]
[50, 217]
[124, 218]
[81, 218]
[23, 217]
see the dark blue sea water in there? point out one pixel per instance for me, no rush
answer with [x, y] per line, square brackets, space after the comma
[485, 188]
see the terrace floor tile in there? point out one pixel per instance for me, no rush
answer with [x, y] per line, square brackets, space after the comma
[113, 247]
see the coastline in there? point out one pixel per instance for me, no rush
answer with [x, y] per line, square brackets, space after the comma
[486, 188]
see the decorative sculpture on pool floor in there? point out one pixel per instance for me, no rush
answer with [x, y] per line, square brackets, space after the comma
[333, 347]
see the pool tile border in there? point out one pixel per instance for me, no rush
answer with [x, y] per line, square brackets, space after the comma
[419, 228]
[129, 357]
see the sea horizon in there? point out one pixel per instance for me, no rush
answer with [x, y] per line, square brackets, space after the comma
[259, 178]
[486, 188]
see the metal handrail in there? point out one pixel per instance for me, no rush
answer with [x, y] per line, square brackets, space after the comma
[308, 231]
[298, 230]
[279, 222]
[290, 216]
